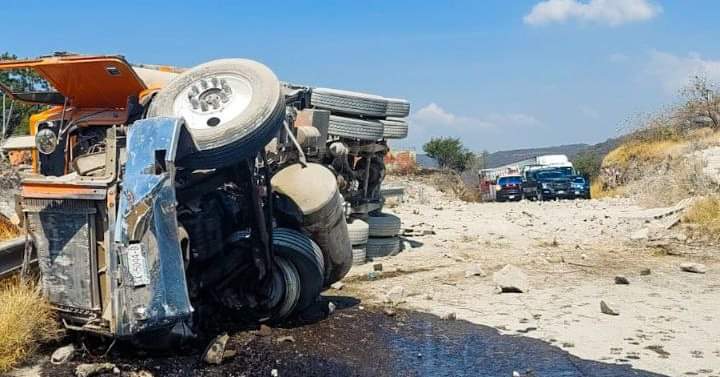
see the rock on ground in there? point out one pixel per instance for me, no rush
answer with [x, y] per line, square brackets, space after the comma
[63, 354]
[216, 349]
[89, 370]
[606, 309]
[697, 268]
[621, 280]
[511, 279]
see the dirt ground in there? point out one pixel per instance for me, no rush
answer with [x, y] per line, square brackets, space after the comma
[668, 322]
[395, 323]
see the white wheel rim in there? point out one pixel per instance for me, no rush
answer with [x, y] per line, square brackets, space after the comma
[213, 100]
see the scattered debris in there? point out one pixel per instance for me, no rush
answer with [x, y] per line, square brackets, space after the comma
[373, 275]
[658, 349]
[283, 339]
[88, 370]
[337, 285]
[377, 267]
[645, 272]
[606, 309]
[697, 268]
[474, 270]
[395, 295]
[449, 316]
[641, 234]
[389, 312]
[141, 373]
[274, 373]
[264, 330]
[63, 354]
[511, 279]
[215, 350]
[622, 280]
[331, 307]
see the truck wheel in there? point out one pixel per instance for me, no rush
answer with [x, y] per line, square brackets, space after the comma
[398, 108]
[359, 254]
[306, 257]
[358, 231]
[382, 247]
[353, 128]
[231, 107]
[290, 279]
[346, 102]
[384, 225]
[395, 128]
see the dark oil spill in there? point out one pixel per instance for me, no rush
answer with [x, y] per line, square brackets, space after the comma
[366, 342]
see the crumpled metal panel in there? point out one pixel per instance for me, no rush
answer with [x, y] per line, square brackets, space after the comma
[147, 227]
[64, 236]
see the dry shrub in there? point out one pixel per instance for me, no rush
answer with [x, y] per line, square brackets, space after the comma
[7, 229]
[639, 152]
[705, 213]
[449, 182]
[26, 321]
[598, 190]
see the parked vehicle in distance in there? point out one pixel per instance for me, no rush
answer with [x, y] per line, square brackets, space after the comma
[509, 188]
[581, 187]
[549, 183]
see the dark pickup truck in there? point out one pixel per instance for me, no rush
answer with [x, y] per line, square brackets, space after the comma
[548, 184]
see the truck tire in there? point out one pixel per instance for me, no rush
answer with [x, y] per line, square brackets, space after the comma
[346, 102]
[359, 254]
[378, 247]
[232, 109]
[384, 225]
[395, 128]
[305, 255]
[358, 231]
[291, 292]
[397, 107]
[357, 129]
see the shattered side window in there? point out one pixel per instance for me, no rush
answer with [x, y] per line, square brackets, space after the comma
[24, 92]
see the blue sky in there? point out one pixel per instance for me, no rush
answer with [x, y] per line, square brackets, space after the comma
[499, 74]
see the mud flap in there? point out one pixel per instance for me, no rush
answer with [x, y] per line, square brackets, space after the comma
[152, 296]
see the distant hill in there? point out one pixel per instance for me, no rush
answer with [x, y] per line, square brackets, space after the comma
[501, 158]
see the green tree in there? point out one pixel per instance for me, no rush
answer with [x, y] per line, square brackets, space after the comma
[588, 163]
[449, 153]
[20, 80]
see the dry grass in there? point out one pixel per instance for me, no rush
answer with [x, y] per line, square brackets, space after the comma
[7, 229]
[705, 213]
[599, 191]
[449, 182]
[26, 320]
[643, 152]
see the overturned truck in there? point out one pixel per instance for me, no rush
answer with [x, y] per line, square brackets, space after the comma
[157, 191]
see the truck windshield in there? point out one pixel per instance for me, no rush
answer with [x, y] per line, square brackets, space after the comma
[550, 174]
[504, 181]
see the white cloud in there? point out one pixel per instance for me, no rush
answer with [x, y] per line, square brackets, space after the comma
[433, 115]
[477, 132]
[675, 72]
[608, 12]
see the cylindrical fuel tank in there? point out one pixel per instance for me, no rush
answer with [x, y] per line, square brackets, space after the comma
[314, 189]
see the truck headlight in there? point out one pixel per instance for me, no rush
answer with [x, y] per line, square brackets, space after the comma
[545, 186]
[46, 141]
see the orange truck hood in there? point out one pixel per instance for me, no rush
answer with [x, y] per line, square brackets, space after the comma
[86, 81]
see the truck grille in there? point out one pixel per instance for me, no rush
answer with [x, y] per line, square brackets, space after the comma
[65, 238]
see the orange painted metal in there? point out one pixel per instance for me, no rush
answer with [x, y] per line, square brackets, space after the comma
[61, 191]
[86, 81]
